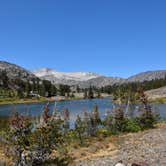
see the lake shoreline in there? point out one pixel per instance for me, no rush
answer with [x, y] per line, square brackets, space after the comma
[24, 101]
[31, 101]
[42, 100]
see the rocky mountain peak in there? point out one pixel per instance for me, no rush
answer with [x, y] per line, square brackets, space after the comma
[14, 71]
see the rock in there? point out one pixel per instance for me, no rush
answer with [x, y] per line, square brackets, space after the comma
[120, 163]
[139, 164]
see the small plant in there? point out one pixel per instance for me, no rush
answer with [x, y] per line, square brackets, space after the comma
[119, 119]
[80, 128]
[109, 124]
[95, 121]
[147, 119]
[45, 114]
[46, 139]
[66, 119]
[18, 137]
[132, 125]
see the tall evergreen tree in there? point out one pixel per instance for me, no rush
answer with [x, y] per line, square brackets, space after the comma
[90, 93]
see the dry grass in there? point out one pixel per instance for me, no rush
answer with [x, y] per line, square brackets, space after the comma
[26, 100]
[3, 159]
[103, 146]
[94, 147]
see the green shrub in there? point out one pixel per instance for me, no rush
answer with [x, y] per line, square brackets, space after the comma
[80, 128]
[148, 119]
[35, 146]
[132, 125]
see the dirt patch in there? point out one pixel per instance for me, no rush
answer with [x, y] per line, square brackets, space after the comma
[148, 146]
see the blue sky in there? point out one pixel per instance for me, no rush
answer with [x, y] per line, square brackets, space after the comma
[111, 37]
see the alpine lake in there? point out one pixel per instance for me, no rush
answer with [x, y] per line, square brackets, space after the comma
[75, 107]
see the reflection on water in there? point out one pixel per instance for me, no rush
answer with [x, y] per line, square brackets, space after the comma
[74, 106]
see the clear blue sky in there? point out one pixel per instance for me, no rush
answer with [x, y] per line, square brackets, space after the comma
[112, 37]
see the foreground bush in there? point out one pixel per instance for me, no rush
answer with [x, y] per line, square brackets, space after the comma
[120, 121]
[40, 145]
[147, 119]
[132, 125]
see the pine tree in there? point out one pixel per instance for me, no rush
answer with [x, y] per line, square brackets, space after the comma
[85, 94]
[79, 128]
[90, 93]
[4, 78]
[95, 120]
[42, 90]
[78, 89]
[148, 118]
[66, 119]
[98, 94]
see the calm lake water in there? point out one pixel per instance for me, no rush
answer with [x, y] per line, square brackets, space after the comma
[75, 107]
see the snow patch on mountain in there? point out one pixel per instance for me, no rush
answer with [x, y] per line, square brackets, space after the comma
[77, 76]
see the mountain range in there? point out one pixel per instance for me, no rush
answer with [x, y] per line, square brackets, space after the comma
[83, 79]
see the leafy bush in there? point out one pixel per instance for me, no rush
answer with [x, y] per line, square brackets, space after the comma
[18, 137]
[46, 139]
[109, 124]
[132, 125]
[80, 128]
[120, 122]
[36, 146]
[147, 120]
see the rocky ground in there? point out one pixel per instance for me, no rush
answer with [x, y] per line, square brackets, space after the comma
[156, 93]
[148, 147]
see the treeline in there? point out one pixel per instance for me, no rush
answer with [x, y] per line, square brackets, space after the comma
[36, 87]
[21, 88]
[91, 92]
[134, 86]
[29, 88]
[122, 90]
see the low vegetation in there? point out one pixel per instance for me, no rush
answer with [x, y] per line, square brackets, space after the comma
[50, 140]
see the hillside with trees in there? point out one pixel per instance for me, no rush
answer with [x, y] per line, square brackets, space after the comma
[134, 86]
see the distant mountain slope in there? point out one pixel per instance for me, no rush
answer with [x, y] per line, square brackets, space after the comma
[83, 79]
[14, 71]
[75, 76]
[102, 81]
[157, 93]
[147, 76]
